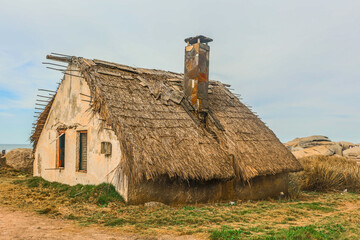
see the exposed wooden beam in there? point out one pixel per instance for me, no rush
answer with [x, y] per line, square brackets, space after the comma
[60, 59]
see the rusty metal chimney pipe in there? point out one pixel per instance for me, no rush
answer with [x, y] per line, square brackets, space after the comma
[196, 73]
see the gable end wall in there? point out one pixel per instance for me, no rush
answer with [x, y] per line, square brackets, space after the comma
[70, 112]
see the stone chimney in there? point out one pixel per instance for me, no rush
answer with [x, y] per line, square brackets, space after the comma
[196, 74]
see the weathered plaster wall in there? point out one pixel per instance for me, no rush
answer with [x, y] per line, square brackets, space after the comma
[174, 192]
[68, 111]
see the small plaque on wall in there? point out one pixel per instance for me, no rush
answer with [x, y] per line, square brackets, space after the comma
[106, 148]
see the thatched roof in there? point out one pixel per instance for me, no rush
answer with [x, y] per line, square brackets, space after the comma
[160, 135]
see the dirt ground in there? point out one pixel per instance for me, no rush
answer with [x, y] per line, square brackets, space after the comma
[15, 224]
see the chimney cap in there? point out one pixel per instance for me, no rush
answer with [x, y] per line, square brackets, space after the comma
[203, 39]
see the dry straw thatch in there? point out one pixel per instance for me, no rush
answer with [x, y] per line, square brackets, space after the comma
[160, 136]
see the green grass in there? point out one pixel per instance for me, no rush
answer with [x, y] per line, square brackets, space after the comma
[315, 206]
[115, 222]
[101, 194]
[228, 233]
[309, 232]
[189, 208]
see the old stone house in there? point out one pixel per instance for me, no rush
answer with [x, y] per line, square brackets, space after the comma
[157, 135]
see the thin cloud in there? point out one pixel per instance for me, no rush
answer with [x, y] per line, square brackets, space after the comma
[6, 115]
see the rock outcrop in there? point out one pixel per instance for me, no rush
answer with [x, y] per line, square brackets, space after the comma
[308, 142]
[20, 159]
[321, 145]
[353, 153]
[347, 145]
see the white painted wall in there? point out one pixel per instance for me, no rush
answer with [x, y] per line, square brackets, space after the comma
[69, 111]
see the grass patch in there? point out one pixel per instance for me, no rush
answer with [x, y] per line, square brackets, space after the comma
[106, 193]
[115, 222]
[228, 233]
[189, 208]
[101, 194]
[314, 206]
[36, 182]
[308, 232]
[6, 171]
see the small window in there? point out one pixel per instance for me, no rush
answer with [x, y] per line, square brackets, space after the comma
[61, 152]
[83, 151]
[106, 148]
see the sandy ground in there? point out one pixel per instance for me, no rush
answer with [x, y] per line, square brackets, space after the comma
[15, 224]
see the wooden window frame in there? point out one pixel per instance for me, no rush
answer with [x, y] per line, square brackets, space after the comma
[78, 149]
[60, 134]
[106, 148]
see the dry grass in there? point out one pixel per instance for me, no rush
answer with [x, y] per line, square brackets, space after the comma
[326, 173]
[335, 215]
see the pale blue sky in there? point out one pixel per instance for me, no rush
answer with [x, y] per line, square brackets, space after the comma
[296, 62]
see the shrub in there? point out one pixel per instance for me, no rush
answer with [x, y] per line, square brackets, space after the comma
[326, 173]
